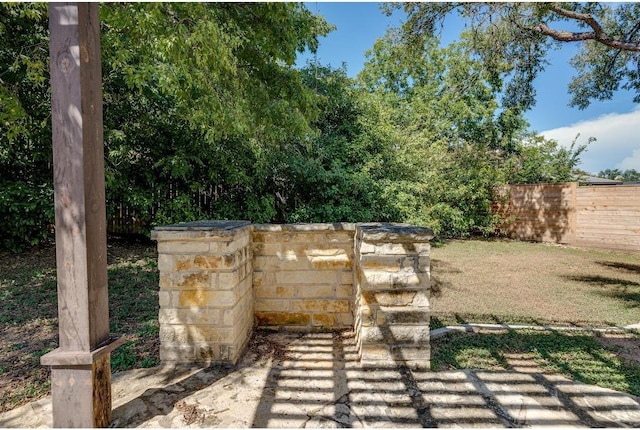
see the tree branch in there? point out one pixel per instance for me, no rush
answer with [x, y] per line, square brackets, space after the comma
[584, 17]
[564, 36]
[598, 34]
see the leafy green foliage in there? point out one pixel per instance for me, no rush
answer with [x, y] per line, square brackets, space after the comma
[602, 70]
[205, 116]
[513, 40]
[26, 214]
[629, 175]
[197, 98]
[336, 175]
[544, 161]
[26, 200]
[215, 87]
[449, 134]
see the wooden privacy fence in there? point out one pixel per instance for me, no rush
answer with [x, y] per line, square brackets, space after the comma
[125, 219]
[590, 216]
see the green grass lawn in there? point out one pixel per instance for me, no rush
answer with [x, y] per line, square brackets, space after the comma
[529, 283]
[516, 282]
[609, 362]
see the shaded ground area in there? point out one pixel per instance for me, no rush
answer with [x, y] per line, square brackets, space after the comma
[516, 282]
[313, 380]
[28, 315]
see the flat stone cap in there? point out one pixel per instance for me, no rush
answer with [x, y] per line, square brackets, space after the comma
[375, 232]
[394, 232]
[204, 225]
[194, 230]
[305, 227]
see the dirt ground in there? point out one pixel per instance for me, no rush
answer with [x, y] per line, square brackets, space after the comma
[623, 345]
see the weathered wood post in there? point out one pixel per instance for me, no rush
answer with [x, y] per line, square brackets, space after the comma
[80, 367]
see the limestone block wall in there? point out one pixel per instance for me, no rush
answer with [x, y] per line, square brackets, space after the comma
[392, 287]
[303, 276]
[206, 300]
[219, 279]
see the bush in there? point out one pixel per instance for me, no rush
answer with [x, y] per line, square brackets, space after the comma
[27, 214]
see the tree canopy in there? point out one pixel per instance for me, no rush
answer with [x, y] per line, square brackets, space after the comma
[206, 116]
[629, 175]
[195, 94]
[513, 39]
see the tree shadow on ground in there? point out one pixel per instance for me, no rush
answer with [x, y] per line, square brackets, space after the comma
[624, 290]
[603, 281]
[28, 316]
[319, 383]
[577, 356]
[168, 394]
[633, 268]
[439, 269]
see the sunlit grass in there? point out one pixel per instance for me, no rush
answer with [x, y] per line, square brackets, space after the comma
[576, 355]
[500, 282]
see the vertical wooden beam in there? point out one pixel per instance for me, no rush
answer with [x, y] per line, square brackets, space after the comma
[81, 375]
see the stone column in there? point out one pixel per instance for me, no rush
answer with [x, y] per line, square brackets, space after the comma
[206, 298]
[392, 295]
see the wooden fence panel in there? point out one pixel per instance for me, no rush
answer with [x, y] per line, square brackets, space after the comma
[608, 217]
[589, 216]
[539, 212]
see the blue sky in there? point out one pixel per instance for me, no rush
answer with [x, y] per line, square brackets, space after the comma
[614, 123]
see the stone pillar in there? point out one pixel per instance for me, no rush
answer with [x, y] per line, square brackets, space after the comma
[392, 295]
[206, 298]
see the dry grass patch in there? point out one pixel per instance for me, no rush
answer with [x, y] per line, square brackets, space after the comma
[516, 282]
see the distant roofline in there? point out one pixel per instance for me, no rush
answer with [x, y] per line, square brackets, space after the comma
[595, 180]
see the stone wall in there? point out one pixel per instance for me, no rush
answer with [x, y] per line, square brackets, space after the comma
[392, 295]
[206, 297]
[303, 277]
[219, 279]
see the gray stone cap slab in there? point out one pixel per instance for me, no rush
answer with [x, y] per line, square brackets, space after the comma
[394, 232]
[199, 229]
[305, 227]
[204, 225]
[376, 232]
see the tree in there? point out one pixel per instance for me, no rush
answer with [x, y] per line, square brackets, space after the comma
[337, 175]
[629, 175]
[451, 136]
[196, 98]
[540, 160]
[26, 200]
[216, 88]
[512, 39]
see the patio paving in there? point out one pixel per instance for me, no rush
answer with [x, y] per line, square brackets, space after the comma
[313, 380]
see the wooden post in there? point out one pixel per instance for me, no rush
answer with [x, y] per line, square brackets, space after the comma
[81, 373]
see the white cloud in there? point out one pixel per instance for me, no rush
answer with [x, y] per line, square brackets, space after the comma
[617, 145]
[631, 162]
